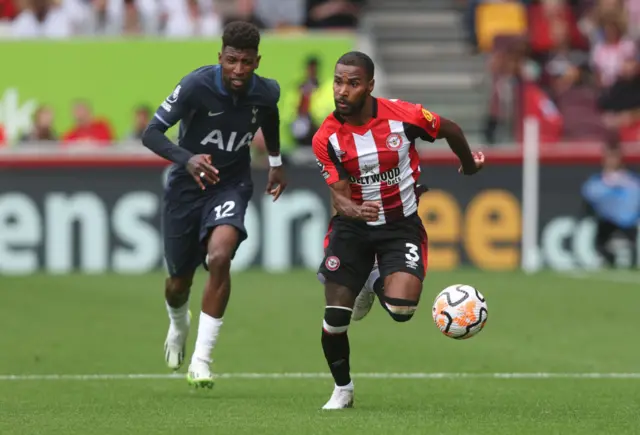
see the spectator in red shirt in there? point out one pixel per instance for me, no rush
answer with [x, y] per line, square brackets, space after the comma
[88, 130]
[1, 136]
[8, 9]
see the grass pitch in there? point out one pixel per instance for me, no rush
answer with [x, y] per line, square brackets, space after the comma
[558, 356]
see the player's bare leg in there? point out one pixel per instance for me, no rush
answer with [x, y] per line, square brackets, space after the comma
[222, 243]
[176, 292]
[366, 297]
[335, 343]
[399, 296]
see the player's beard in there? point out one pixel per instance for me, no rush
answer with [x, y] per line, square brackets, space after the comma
[352, 108]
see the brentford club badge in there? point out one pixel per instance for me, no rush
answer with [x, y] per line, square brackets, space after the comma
[332, 263]
[394, 141]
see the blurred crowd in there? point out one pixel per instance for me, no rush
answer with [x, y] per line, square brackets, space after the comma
[169, 18]
[88, 127]
[302, 111]
[574, 64]
[51, 19]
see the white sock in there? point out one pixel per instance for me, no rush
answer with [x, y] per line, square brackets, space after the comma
[179, 317]
[208, 330]
[349, 386]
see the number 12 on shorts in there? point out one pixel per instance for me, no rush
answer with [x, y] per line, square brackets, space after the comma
[412, 256]
[224, 210]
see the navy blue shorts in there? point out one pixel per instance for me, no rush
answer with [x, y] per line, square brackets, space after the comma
[186, 226]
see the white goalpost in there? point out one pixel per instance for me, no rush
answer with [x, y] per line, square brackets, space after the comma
[530, 256]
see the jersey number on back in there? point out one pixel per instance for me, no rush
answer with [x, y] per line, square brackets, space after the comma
[216, 138]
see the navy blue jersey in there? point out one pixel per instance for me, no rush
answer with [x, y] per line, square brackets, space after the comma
[216, 122]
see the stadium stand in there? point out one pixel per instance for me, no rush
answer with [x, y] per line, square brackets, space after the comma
[486, 64]
[170, 18]
[175, 20]
[580, 68]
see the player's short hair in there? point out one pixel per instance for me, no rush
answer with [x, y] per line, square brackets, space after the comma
[241, 35]
[359, 59]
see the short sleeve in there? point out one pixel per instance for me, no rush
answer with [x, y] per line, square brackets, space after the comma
[179, 104]
[427, 123]
[267, 91]
[275, 87]
[330, 166]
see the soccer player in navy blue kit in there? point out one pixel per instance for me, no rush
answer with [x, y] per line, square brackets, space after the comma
[220, 108]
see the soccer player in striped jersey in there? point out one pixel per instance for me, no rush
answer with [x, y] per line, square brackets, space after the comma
[366, 153]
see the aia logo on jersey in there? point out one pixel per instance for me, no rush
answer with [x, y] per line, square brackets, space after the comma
[394, 141]
[216, 138]
[332, 263]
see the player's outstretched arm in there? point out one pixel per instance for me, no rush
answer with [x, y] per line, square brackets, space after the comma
[344, 205]
[453, 134]
[430, 126]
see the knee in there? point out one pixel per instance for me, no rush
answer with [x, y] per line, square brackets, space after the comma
[405, 290]
[337, 295]
[218, 258]
[336, 320]
[178, 285]
[401, 310]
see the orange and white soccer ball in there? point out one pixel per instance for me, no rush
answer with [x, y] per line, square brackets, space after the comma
[460, 311]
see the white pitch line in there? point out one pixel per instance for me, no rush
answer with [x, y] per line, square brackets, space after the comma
[115, 377]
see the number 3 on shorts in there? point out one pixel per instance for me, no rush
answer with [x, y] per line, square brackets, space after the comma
[226, 210]
[413, 254]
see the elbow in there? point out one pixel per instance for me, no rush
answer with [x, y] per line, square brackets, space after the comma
[336, 206]
[335, 202]
[147, 135]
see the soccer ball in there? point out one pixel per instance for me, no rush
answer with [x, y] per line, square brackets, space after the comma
[460, 311]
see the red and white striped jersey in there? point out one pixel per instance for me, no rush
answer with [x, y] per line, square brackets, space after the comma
[379, 158]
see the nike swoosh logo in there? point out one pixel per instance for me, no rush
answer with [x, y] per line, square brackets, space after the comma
[215, 114]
